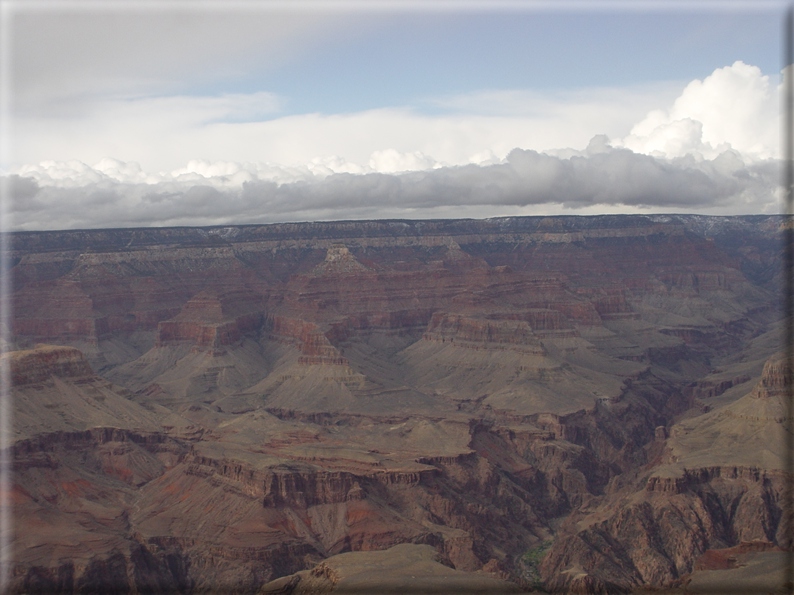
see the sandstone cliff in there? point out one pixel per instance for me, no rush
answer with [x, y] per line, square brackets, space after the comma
[721, 483]
[45, 361]
[552, 401]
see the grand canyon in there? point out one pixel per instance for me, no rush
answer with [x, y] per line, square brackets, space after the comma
[560, 404]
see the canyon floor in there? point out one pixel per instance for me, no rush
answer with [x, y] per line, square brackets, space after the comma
[558, 404]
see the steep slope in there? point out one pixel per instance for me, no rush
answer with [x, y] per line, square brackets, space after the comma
[55, 390]
[81, 449]
[540, 400]
[720, 483]
[400, 569]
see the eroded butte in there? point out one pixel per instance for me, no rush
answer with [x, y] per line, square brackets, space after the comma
[593, 404]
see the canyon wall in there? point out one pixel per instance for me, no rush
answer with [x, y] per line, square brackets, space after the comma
[580, 404]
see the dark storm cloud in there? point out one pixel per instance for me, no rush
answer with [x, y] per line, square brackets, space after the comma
[598, 176]
[22, 193]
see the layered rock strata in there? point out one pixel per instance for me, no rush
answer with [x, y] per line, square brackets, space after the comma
[554, 402]
[45, 361]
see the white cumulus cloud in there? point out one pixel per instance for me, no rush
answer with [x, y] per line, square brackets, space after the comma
[736, 107]
[710, 146]
[392, 161]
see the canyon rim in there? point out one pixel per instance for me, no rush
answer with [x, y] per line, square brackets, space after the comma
[591, 404]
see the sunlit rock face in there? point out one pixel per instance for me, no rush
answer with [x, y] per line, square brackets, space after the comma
[584, 404]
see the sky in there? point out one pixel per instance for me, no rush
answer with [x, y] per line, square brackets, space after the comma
[156, 113]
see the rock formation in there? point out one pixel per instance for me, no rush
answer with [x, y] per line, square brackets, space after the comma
[720, 484]
[581, 404]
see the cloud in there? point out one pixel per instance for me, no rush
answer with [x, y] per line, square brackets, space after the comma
[221, 193]
[711, 146]
[735, 107]
[216, 129]
[392, 161]
[196, 129]
[73, 53]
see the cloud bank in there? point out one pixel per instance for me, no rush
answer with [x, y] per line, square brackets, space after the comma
[599, 176]
[713, 147]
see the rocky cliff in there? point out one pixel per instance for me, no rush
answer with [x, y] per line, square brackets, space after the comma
[721, 483]
[585, 404]
[37, 365]
[212, 320]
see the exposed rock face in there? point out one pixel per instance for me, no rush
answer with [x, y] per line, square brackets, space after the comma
[210, 320]
[45, 361]
[656, 540]
[776, 379]
[583, 404]
[339, 261]
[723, 485]
[478, 333]
[314, 345]
[402, 569]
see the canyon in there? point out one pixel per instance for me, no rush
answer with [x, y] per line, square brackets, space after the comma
[561, 404]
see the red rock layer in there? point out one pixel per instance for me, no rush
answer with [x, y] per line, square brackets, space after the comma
[609, 302]
[700, 280]
[656, 540]
[38, 365]
[339, 261]
[705, 389]
[562, 267]
[59, 311]
[66, 330]
[776, 379]
[398, 320]
[479, 333]
[211, 320]
[66, 309]
[314, 345]
[207, 335]
[723, 559]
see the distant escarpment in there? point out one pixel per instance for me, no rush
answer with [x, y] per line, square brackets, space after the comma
[92, 285]
[575, 404]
